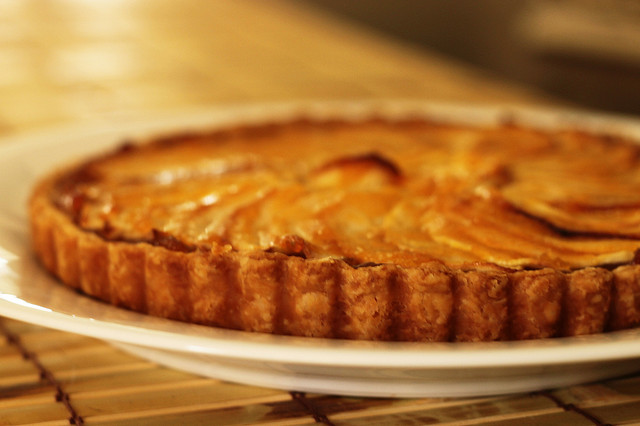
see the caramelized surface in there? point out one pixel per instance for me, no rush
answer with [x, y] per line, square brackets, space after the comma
[374, 192]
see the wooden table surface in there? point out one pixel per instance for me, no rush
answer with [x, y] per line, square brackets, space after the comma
[72, 61]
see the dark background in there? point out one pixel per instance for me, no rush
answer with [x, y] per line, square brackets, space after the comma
[586, 52]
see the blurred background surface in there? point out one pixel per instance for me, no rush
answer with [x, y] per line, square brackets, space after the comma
[584, 51]
[74, 60]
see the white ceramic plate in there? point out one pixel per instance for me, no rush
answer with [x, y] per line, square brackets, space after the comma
[27, 293]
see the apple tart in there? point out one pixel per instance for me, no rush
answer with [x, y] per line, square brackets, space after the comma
[402, 229]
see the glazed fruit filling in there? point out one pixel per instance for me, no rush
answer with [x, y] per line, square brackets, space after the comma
[370, 194]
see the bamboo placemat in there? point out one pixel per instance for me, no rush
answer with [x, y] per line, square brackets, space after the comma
[51, 377]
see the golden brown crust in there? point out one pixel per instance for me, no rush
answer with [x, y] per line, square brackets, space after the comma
[625, 298]
[283, 291]
[481, 306]
[536, 303]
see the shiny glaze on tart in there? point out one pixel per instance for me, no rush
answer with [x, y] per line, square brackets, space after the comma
[378, 229]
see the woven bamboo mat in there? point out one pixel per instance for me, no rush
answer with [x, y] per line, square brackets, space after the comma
[51, 377]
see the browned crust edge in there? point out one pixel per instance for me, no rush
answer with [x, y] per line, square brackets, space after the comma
[275, 293]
